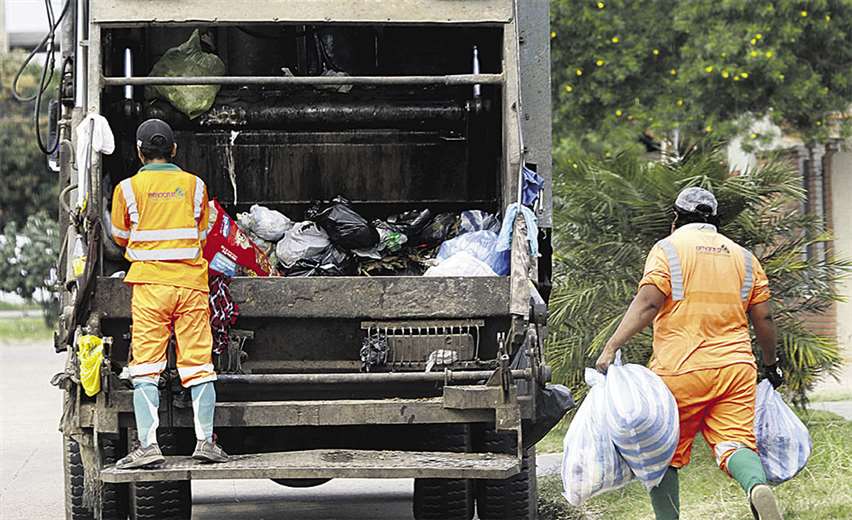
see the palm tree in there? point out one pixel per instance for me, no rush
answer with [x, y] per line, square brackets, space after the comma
[608, 213]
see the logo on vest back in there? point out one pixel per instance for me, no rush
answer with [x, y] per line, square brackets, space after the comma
[167, 195]
[709, 250]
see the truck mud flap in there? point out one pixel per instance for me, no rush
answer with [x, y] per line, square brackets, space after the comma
[329, 464]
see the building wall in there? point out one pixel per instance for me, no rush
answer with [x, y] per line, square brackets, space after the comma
[840, 172]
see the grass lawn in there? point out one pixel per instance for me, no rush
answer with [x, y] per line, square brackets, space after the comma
[30, 328]
[6, 306]
[823, 491]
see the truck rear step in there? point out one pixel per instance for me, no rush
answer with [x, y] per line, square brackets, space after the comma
[328, 463]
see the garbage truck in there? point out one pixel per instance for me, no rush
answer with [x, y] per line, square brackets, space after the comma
[398, 105]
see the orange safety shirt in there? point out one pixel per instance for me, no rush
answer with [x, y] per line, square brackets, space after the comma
[160, 216]
[709, 281]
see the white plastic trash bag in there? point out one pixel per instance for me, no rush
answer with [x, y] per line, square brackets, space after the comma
[642, 418]
[265, 223]
[590, 462]
[304, 240]
[783, 441]
[461, 264]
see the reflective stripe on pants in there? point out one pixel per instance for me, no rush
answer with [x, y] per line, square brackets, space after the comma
[156, 311]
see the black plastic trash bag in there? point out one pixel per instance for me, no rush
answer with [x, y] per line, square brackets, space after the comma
[443, 227]
[552, 403]
[329, 262]
[410, 223]
[346, 228]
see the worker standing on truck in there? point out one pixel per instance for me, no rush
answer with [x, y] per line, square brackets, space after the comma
[699, 289]
[160, 216]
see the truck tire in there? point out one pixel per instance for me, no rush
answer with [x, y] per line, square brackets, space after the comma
[513, 498]
[114, 496]
[444, 499]
[164, 500]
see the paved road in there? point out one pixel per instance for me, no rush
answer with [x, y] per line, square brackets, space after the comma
[31, 480]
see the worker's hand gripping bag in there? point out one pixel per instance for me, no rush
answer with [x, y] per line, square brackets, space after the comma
[642, 418]
[783, 442]
[229, 250]
[590, 463]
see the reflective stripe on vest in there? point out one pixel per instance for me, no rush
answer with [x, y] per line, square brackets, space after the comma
[153, 235]
[748, 280]
[178, 253]
[676, 271]
[674, 267]
[199, 196]
[120, 233]
[130, 200]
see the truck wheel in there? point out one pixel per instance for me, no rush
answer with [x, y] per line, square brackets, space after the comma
[74, 509]
[444, 499]
[113, 499]
[164, 500]
[513, 498]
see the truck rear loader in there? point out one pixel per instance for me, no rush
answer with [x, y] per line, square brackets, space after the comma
[432, 104]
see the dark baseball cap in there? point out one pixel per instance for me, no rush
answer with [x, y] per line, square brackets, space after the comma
[155, 135]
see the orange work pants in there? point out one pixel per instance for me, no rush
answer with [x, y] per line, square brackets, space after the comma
[718, 402]
[157, 310]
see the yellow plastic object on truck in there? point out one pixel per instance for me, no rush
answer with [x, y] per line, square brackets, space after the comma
[90, 351]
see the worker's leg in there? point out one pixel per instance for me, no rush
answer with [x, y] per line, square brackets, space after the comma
[665, 498]
[689, 391]
[195, 366]
[745, 467]
[150, 309]
[729, 423]
[729, 431]
[151, 312]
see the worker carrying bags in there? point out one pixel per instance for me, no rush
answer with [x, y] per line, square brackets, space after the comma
[629, 429]
[783, 442]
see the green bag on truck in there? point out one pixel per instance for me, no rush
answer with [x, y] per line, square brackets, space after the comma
[187, 59]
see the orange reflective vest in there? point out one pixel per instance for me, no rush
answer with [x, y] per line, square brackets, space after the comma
[710, 282]
[160, 216]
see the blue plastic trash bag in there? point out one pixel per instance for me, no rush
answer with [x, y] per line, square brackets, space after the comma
[642, 417]
[533, 183]
[590, 463]
[481, 245]
[783, 441]
[477, 220]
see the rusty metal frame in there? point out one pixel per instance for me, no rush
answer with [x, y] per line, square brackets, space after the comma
[449, 80]
[133, 12]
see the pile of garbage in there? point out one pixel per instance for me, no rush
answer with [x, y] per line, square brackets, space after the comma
[334, 240]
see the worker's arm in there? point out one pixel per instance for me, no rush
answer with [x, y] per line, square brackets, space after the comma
[764, 328]
[120, 218]
[641, 313]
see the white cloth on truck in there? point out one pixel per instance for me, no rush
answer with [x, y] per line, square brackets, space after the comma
[642, 418]
[101, 141]
[783, 442]
[590, 463]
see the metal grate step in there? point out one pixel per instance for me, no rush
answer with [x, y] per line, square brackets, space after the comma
[328, 463]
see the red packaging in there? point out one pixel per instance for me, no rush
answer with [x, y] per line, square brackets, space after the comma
[229, 251]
